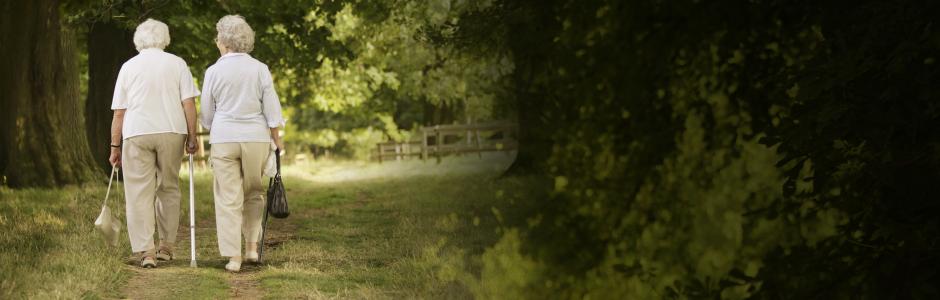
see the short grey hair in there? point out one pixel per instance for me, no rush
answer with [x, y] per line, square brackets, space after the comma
[151, 34]
[235, 34]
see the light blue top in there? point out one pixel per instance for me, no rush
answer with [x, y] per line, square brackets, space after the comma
[239, 103]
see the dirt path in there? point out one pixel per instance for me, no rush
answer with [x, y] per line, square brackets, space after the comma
[176, 278]
[173, 277]
[245, 285]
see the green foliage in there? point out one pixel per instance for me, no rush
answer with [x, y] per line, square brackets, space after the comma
[506, 273]
[391, 129]
[361, 141]
[705, 149]
[338, 64]
[389, 66]
[322, 138]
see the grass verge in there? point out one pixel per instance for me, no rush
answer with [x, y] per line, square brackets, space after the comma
[50, 247]
[358, 230]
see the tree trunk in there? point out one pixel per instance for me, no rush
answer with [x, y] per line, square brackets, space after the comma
[428, 114]
[534, 144]
[41, 138]
[109, 46]
[531, 102]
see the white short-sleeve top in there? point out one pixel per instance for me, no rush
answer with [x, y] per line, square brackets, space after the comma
[239, 104]
[151, 87]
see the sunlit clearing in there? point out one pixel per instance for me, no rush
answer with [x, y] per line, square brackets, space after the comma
[330, 171]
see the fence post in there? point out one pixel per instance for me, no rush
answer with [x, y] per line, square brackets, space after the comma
[437, 143]
[424, 143]
[469, 136]
[472, 142]
[405, 151]
[380, 152]
[397, 151]
[479, 144]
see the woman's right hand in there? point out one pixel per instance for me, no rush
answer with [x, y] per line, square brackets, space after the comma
[280, 144]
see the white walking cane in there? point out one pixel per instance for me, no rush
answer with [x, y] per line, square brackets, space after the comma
[192, 215]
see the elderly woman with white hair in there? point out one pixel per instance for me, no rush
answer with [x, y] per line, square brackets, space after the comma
[243, 114]
[154, 114]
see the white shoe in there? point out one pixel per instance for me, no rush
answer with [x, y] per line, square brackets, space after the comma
[233, 266]
[251, 257]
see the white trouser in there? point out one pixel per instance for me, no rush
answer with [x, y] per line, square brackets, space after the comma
[151, 166]
[239, 193]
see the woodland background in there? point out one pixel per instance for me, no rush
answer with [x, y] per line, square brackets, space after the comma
[683, 149]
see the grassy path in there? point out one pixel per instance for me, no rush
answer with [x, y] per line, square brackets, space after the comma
[175, 279]
[359, 234]
[357, 230]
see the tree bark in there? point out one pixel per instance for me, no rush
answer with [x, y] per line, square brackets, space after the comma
[109, 46]
[41, 134]
[527, 29]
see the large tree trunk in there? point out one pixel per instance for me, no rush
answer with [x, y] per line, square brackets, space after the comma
[41, 134]
[109, 46]
[534, 135]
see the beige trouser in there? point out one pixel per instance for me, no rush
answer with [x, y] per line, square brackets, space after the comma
[151, 172]
[239, 193]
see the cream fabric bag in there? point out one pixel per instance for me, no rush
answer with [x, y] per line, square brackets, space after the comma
[109, 226]
[270, 166]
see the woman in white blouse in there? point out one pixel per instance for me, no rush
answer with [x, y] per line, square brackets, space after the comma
[242, 113]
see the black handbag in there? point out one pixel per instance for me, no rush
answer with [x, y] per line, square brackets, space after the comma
[277, 196]
[277, 203]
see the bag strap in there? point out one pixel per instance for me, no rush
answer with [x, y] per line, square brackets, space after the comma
[277, 158]
[108, 193]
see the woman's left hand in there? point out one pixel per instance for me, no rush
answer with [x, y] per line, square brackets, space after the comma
[115, 157]
[190, 146]
[276, 137]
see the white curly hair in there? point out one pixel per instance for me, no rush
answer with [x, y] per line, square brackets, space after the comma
[151, 34]
[235, 34]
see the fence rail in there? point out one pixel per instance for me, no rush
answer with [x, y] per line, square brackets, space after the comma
[440, 140]
[435, 141]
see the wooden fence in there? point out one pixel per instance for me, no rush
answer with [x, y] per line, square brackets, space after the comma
[201, 157]
[440, 140]
[435, 141]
